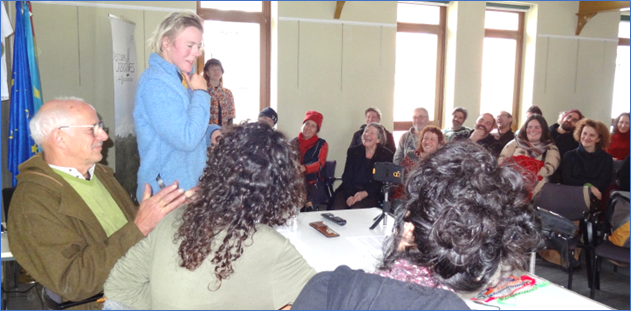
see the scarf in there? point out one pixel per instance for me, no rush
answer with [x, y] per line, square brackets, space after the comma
[404, 271]
[305, 144]
[533, 150]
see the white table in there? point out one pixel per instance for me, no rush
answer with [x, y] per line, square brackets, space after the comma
[6, 251]
[360, 248]
[357, 246]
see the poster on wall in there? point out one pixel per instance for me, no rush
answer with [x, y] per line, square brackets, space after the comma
[125, 82]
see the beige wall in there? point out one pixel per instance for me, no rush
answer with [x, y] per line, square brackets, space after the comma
[561, 71]
[337, 69]
[340, 67]
[570, 71]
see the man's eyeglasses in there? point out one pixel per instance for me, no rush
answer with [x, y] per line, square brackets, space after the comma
[95, 127]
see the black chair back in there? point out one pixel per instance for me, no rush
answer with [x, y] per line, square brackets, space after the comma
[7, 194]
[329, 177]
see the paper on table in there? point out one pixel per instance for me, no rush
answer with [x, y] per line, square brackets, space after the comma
[371, 249]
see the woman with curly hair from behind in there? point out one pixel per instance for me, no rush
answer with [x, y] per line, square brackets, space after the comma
[220, 251]
[466, 224]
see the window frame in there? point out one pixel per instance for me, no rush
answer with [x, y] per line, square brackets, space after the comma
[621, 42]
[440, 31]
[262, 18]
[518, 36]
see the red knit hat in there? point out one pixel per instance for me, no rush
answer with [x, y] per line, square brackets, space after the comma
[315, 117]
[580, 115]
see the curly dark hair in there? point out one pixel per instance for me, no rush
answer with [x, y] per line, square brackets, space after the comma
[251, 178]
[432, 129]
[471, 217]
[599, 127]
[545, 131]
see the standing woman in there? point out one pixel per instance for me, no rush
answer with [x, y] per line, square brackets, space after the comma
[172, 107]
[313, 152]
[619, 147]
[358, 189]
[221, 102]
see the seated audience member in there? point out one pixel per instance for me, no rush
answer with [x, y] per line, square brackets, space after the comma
[530, 111]
[619, 147]
[466, 225]
[534, 151]
[372, 114]
[589, 165]
[563, 133]
[409, 140]
[432, 139]
[268, 116]
[504, 131]
[220, 247]
[313, 152]
[358, 189]
[70, 220]
[481, 134]
[459, 115]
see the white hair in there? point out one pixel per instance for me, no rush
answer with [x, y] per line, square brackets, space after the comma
[47, 120]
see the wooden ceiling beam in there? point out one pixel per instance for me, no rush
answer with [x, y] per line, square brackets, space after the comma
[589, 9]
[338, 9]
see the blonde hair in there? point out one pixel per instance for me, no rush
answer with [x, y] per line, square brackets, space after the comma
[171, 26]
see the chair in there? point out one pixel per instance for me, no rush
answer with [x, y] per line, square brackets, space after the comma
[7, 194]
[329, 178]
[568, 202]
[51, 300]
[617, 212]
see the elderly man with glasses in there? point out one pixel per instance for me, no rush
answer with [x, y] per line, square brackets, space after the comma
[410, 139]
[70, 220]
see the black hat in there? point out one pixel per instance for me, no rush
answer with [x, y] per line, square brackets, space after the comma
[213, 61]
[270, 113]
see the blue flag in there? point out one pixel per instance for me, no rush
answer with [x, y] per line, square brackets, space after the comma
[32, 58]
[21, 145]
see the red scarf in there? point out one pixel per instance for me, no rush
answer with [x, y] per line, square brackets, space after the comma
[305, 144]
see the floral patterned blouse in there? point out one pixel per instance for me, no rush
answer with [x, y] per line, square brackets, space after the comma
[221, 97]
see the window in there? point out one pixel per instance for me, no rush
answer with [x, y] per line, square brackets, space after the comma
[501, 63]
[620, 101]
[418, 79]
[238, 34]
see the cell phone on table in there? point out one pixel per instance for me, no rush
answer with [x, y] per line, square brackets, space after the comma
[324, 229]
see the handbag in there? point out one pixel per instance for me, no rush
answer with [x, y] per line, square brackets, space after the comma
[556, 225]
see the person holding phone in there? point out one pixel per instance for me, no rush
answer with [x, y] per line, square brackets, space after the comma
[172, 108]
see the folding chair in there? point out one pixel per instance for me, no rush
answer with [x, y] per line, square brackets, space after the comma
[617, 212]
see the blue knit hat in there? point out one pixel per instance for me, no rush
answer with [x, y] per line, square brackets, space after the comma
[270, 113]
